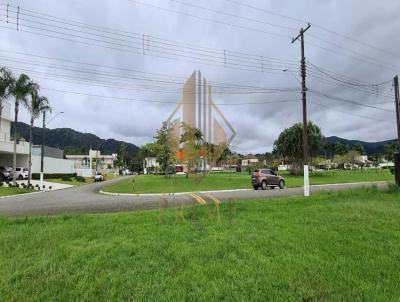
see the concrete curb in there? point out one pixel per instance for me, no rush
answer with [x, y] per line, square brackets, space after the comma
[171, 194]
[227, 191]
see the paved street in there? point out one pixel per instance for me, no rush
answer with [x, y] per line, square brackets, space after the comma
[87, 199]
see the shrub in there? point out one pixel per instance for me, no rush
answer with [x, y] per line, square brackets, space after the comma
[36, 176]
[80, 179]
[66, 178]
[10, 184]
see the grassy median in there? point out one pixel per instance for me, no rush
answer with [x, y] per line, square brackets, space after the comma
[341, 246]
[6, 191]
[222, 181]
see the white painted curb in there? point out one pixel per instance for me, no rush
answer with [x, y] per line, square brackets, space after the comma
[171, 194]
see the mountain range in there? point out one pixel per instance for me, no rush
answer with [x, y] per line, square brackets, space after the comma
[370, 147]
[74, 142]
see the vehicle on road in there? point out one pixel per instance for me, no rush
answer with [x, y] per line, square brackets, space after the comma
[98, 177]
[6, 173]
[21, 173]
[264, 178]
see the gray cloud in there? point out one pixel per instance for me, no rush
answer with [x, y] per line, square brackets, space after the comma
[257, 125]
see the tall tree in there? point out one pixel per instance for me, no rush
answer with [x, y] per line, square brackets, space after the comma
[289, 144]
[20, 91]
[167, 146]
[36, 106]
[7, 82]
[192, 140]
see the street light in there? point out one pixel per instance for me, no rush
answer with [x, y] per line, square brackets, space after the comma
[42, 148]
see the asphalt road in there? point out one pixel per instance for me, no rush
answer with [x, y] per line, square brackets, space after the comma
[87, 199]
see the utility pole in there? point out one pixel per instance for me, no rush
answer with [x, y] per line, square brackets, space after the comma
[42, 151]
[305, 121]
[397, 104]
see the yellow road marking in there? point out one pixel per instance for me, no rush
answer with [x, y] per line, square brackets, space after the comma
[198, 198]
[216, 200]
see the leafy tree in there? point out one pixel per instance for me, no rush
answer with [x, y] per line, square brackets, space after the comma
[166, 146]
[192, 140]
[359, 148]
[330, 148]
[36, 106]
[121, 156]
[390, 150]
[289, 144]
[20, 90]
[341, 149]
[7, 82]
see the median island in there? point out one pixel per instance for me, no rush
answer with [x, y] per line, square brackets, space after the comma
[232, 181]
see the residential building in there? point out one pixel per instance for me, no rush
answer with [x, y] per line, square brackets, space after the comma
[150, 165]
[89, 161]
[53, 161]
[7, 142]
[249, 160]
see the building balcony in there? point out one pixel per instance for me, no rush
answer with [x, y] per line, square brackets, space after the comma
[7, 145]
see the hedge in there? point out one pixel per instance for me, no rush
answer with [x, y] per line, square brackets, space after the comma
[36, 176]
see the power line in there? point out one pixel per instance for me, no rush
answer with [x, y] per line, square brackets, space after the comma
[348, 101]
[163, 102]
[346, 112]
[217, 85]
[209, 19]
[302, 21]
[235, 16]
[257, 63]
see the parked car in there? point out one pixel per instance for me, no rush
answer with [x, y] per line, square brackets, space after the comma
[21, 173]
[98, 177]
[264, 178]
[6, 173]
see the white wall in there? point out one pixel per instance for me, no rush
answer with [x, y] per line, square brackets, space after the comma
[53, 165]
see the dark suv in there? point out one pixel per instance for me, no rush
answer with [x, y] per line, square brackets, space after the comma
[5, 174]
[263, 178]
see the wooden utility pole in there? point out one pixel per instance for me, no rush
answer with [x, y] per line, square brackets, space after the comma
[305, 121]
[397, 104]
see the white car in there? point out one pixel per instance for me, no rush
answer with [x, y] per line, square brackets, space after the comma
[21, 173]
[98, 177]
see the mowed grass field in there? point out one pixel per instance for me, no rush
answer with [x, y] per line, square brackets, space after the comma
[222, 181]
[6, 191]
[331, 247]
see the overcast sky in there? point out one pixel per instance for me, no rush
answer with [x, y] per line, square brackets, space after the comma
[375, 23]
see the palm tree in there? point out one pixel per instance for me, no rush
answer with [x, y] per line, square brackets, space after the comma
[37, 105]
[21, 89]
[7, 81]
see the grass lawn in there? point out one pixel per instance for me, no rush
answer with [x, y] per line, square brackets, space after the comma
[72, 182]
[221, 181]
[341, 246]
[6, 191]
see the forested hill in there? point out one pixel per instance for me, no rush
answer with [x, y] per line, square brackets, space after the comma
[370, 147]
[74, 142]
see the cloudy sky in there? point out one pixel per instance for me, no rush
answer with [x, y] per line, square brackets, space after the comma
[343, 98]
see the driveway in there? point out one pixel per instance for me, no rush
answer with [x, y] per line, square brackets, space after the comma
[87, 199]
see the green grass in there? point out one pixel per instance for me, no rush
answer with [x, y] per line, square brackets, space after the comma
[222, 181]
[72, 182]
[330, 247]
[6, 191]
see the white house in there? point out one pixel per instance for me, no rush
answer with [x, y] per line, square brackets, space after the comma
[150, 164]
[7, 143]
[249, 160]
[85, 163]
